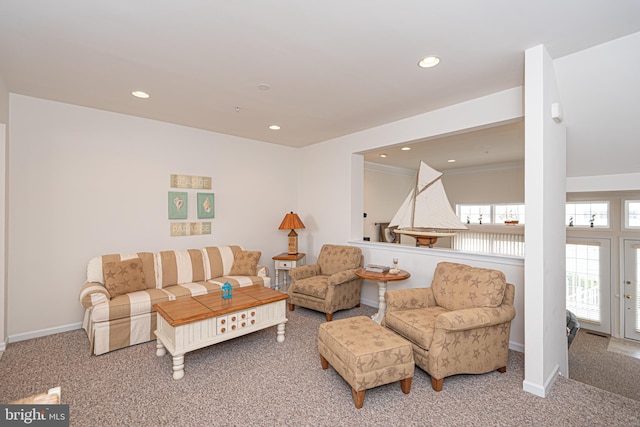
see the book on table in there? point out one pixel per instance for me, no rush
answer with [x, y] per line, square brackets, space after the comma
[375, 268]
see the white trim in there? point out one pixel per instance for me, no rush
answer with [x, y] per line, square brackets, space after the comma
[44, 332]
[541, 391]
[3, 346]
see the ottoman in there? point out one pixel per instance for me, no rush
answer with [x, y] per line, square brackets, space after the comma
[365, 354]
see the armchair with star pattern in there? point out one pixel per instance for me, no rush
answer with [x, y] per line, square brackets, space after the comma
[460, 325]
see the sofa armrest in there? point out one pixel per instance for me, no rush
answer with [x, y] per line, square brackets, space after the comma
[262, 271]
[342, 277]
[304, 271]
[93, 293]
[406, 299]
[472, 318]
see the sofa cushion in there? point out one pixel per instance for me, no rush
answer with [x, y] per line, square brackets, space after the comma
[128, 305]
[190, 289]
[335, 258]
[95, 268]
[459, 286]
[178, 267]
[416, 325]
[219, 260]
[245, 263]
[123, 277]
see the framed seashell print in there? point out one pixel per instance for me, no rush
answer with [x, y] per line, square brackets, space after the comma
[205, 205]
[178, 205]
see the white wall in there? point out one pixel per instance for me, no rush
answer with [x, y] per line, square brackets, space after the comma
[85, 182]
[545, 178]
[4, 119]
[385, 188]
[331, 190]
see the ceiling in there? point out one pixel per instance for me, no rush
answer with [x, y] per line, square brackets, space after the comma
[318, 69]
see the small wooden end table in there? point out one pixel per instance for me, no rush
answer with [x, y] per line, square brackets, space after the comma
[382, 279]
[286, 262]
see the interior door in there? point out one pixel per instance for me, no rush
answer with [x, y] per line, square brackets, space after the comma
[631, 291]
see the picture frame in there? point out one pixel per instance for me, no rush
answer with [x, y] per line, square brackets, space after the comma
[206, 208]
[178, 204]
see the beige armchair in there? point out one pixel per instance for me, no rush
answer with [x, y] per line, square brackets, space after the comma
[460, 325]
[329, 285]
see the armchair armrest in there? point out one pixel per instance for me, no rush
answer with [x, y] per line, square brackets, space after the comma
[304, 271]
[93, 293]
[472, 318]
[342, 277]
[406, 299]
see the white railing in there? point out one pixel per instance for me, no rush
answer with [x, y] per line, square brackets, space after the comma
[583, 297]
[492, 243]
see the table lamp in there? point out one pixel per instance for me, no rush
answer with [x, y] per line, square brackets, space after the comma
[292, 222]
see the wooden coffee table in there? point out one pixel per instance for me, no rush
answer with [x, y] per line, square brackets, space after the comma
[188, 324]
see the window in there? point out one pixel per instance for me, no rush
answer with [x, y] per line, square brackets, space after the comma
[474, 214]
[510, 212]
[587, 214]
[632, 213]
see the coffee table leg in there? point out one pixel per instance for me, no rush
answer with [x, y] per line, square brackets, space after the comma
[160, 350]
[280, 332]
[178, 366]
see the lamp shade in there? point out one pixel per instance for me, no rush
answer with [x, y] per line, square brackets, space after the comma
[291, 221]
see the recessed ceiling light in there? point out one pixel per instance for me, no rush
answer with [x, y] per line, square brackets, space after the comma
[274, 127]
[451, 160]
[140, 94]
[264, 86]
[383, 155]
[406, 148]
[429, 61]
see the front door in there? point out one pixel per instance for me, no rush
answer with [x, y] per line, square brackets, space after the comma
[631, 291]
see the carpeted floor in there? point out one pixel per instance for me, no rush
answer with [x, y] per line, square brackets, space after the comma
[255, 381]
[592, 363]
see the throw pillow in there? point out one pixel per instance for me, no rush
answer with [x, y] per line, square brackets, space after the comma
[123, 277]
[245, 263]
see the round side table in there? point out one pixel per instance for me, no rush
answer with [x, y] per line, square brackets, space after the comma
[382, 279]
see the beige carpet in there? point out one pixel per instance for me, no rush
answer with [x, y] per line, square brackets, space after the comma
[255, 381]
[591, 362]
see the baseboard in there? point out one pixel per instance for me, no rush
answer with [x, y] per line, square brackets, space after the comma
[539, 390]
[370, 303]
[43, 332]
[516, 347]
[3, 346]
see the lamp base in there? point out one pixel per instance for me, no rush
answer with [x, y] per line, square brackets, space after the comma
[293, 243]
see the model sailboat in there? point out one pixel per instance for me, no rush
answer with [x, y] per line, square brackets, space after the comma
[426, 213]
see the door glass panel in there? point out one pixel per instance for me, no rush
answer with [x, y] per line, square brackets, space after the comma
[583, 281]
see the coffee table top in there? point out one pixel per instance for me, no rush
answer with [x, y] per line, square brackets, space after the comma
[192, 309]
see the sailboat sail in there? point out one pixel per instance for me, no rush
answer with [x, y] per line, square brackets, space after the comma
[427, 206]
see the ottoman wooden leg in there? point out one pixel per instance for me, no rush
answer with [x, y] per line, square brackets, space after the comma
[405, 385]
[358, 398]
[437, 384]
[324, 362]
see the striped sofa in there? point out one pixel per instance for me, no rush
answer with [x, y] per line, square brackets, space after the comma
[117, 321]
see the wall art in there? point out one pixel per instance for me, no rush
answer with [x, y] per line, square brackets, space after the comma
[189, 181]
[205, 205]
[190, 228]
[178, 205]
